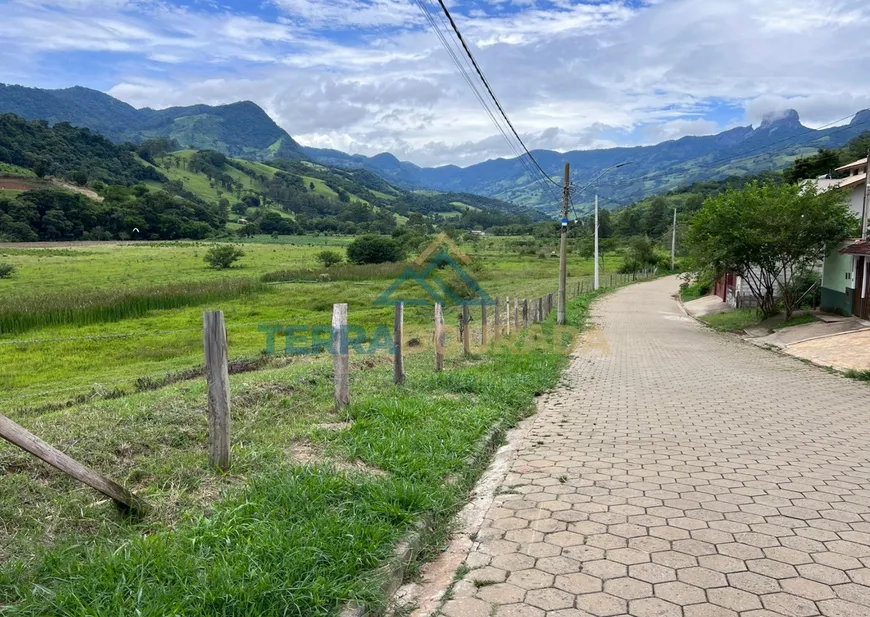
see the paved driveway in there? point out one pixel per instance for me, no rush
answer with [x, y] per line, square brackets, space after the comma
[678, 472]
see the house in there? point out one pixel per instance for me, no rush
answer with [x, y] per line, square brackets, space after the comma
[845, 271]
[842, 269]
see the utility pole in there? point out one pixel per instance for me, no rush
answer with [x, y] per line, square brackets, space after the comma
[674, 242]
[596, 243]
[563, 250]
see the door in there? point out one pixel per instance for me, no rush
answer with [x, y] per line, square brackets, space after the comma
[861, 302]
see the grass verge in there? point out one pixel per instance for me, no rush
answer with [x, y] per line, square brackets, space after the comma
[741, 319]
[285, 537]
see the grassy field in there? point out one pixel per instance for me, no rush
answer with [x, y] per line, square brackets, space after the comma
[115, 314]
[315, 500]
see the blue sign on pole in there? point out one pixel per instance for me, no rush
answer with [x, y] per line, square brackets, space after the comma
[564, 222]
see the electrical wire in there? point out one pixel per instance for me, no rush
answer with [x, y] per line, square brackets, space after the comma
[535, 171]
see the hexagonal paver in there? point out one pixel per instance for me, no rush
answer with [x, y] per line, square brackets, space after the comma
[735, 599]
[549, 599]
[530, 579]
[578, 583]
[487, 575]
[652, 573]
[628, 588]
[564, 538]
[501, 593]
[557, 565]
[636, 491]
[788, 604]
[753, 582]
[653, 607]
[680, 593]
[601, 604]
[805, 588]
[702, 577]
[519, 610]
[467, 607]
[604, 569]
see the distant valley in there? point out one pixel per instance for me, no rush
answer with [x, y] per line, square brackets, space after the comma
[243, 130]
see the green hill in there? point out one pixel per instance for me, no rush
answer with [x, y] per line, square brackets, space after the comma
[163, 193]
[239, 129]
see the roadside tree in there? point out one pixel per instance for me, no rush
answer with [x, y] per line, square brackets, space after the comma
[768, 235]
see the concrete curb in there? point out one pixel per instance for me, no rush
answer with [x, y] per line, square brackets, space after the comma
[393, 573]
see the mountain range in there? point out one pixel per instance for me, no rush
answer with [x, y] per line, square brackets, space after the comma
[244, 130]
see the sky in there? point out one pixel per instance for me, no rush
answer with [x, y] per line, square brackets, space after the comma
[369, 76]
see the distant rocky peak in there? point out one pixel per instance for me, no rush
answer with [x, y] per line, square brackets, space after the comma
[782, 117]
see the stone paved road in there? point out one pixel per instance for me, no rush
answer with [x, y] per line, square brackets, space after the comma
[677, 472]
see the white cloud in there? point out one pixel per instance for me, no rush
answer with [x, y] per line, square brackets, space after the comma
[367, 76]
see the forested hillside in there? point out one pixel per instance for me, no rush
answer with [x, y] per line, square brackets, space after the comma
[155, 191]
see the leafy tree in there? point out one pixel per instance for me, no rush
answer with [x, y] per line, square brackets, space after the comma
[641, 254]
[329, 258]
[240, 208]
[374, 249]
[223, 256]
[824, 162]
[311, 186]
[768, 235]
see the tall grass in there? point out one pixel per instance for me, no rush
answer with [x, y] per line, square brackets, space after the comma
[21, 313]
[345, 272]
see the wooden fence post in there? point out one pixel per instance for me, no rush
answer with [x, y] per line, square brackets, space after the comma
[497, 333]
[29, 442]
[218, 379]
[340, 359]
[516, 314]
[541, 308]
[466, 329]
[507, 308]
[399, 335]
[549, 304]
[439, 338]
[525, 313]
[484, 328]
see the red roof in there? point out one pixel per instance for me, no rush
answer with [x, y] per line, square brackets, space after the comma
[861, 247]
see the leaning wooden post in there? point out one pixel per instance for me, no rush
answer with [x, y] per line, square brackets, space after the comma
[440, 338]
[525, 313]
[466, 329]
[218, 379]
[340, 358]
[484, 327]
[398, 336]
[29, 442]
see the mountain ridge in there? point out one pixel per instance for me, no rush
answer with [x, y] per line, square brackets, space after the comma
[244, 130]
[240, 129]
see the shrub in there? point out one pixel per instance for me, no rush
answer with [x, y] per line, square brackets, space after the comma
[6, 270]
[374, 249]
[223, 256]
[329, 258]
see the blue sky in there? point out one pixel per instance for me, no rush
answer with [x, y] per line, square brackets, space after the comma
[367, 76]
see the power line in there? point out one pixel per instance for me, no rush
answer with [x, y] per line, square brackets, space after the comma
[491, 92]
[533, 174]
